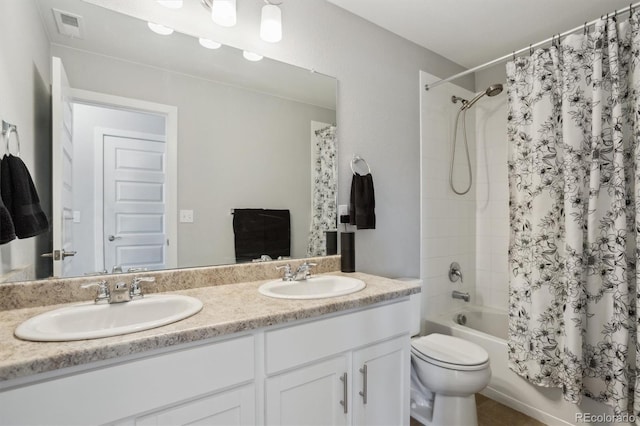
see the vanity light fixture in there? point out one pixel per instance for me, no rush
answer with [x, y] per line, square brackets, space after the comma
[271, 22]
[223, 12]
[250, 56]
[159, 28]
[209, 44]
[171, 4]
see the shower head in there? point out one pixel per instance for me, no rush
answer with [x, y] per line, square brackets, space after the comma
[493, 90]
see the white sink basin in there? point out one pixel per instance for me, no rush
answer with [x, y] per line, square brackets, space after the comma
[317, 287]
[91, 321]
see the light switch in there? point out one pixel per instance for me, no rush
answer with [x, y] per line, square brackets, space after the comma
[76, 216]
[343, 210]
[186, 216]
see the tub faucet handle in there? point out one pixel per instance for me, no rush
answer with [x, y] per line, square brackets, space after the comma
[455, 272]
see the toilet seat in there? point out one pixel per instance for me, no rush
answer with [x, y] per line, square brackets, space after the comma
[450, 352]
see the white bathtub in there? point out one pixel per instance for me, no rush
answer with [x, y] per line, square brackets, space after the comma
[488, 328]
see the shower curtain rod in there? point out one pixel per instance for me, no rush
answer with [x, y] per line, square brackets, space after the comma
[525, 49]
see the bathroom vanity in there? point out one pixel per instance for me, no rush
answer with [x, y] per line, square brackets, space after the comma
[244, 359]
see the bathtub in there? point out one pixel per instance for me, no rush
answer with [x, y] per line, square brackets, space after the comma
[488, 327]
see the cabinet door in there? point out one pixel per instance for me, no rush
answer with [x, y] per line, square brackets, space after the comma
[381, 375]
[234, 407]
[311, 395]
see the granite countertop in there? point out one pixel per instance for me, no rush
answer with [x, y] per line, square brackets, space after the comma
[227, 309]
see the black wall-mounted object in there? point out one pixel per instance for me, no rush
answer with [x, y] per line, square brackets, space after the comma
[347, 252]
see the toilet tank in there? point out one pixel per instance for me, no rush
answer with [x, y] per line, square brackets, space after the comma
[416, 305]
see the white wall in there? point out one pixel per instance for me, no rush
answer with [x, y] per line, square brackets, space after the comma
[448, 220]
[492, 194]
[25, 100]
[86, 118]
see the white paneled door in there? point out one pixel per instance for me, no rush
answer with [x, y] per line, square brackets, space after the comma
[134, 210]
[62, 160]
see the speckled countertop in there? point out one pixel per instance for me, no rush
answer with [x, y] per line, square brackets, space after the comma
[227, 309]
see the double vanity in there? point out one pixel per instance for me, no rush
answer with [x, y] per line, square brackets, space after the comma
[245, 357]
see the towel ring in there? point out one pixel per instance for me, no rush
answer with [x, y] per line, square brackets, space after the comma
[7, 129]
[357, 158]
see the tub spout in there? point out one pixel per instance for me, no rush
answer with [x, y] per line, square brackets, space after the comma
[460, 295]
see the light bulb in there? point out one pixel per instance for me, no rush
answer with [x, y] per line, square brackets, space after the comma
[159, 28]
[223, 12]
[209, 44]
[171, 4]
[271, 23]
[250, 56]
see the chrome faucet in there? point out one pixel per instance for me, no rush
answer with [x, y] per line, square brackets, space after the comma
[303, 272]
[121, 292]
[135, 291]
[288, 276]
[460, 295]
[103, 295]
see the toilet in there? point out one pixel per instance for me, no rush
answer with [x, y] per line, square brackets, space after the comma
[446, 372]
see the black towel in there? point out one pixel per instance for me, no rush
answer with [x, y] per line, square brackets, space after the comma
[261, 231]
[7, 231]
[362, 203]
[21, 199]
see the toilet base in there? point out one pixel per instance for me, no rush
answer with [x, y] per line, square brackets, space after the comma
[451, 411]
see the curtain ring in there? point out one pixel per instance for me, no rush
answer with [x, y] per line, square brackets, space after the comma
[586, 29]
[514, 56]
[530, 50]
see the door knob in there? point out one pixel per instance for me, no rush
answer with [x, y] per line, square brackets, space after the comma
[113, 238]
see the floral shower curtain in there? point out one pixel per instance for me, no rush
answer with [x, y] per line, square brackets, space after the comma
[324, 182]
[574, 178]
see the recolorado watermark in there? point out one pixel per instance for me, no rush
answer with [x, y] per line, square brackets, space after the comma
[605, 418]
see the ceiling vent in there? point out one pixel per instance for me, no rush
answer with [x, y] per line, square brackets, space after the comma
[69, 24]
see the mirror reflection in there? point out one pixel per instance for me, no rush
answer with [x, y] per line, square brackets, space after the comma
[168, 154]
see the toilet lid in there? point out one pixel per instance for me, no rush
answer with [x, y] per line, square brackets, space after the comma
[450, 350]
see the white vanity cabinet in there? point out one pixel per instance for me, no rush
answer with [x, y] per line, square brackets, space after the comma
[124, 392]
[316, 371]
[232, 408]
[311, 372]
[381, 375]
[309, 395]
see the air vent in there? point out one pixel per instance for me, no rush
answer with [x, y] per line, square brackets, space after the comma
[69, 24]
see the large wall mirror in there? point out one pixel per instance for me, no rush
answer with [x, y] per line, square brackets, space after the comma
[165, 141]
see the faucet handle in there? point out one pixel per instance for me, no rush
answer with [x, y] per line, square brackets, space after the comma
[288, 275]
[103, 290]
[305, 268]
[135, 289]
[455, 272]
